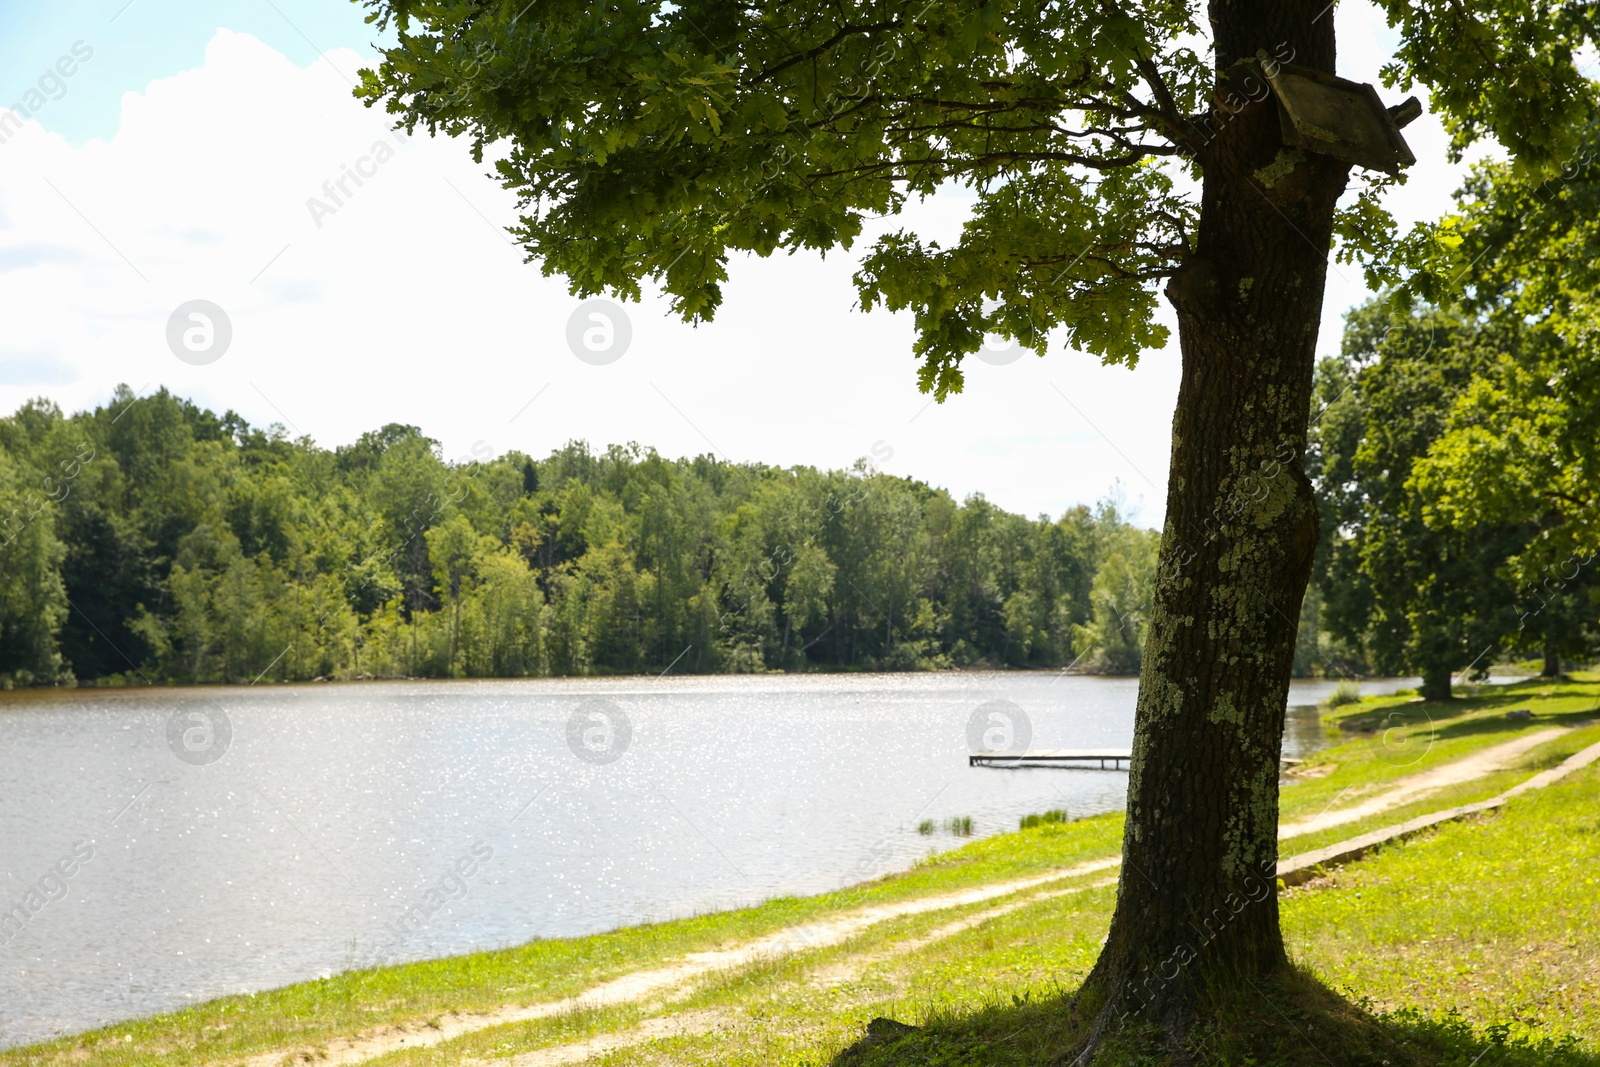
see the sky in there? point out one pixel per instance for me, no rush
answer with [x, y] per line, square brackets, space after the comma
[185, 159]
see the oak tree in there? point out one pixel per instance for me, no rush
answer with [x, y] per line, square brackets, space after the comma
[1418, 597]
[1521, 444]
[1117, 152]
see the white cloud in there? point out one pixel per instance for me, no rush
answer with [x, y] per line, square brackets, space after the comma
[406, 303]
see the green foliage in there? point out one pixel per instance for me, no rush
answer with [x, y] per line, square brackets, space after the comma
[653, 142]
[1411, 596]
[32, 600]
[1512, 448]
[650, 141]
[1124, 586]
[1346, 692]
[200, 549]
[1458, 50]
[1520, 445]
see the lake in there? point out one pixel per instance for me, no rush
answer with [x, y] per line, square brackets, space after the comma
[168, 846]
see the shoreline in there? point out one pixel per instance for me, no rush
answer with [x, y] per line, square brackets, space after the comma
[831, 674]
[1008, 854]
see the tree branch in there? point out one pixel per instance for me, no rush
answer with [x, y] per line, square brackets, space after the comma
[813, 53]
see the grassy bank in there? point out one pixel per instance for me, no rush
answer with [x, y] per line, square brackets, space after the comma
[1497, 919]
[1382, 740]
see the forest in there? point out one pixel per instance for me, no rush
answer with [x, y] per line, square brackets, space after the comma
[151, 541]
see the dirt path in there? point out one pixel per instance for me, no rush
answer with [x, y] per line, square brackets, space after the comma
[634, 987]
[857, 965]
[637, 985]
[1484, 761]
[684, 1024]
[695, 1023]
[1463, 770]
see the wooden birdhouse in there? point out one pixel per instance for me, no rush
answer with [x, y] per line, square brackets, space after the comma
[1334, 116]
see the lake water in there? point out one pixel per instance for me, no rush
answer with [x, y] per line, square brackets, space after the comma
[169, 846]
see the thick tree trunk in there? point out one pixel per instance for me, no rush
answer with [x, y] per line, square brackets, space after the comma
[1436, 684]
[1552, 663]
[1196, 902]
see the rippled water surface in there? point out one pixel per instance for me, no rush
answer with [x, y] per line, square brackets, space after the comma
[345, 824]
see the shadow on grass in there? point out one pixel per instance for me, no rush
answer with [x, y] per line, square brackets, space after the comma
[1291, 1022]
[1449, 719]
[1486, 725]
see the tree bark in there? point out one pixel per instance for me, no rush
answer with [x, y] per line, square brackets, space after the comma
[1436, 684]
[1197, 894]
[1552, 663]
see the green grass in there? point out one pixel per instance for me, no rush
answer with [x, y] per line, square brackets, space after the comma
[1504, 945]
[1043, 818]
[1385, 739]
[1473, 944]
[1539, 758]
[995, 994]
[1498, 918]
[1345, 692]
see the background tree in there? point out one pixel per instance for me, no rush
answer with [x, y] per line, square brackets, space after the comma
[1520, 445]
[1121, 594]
[651, 141]
[32, 600]
[1510, 453]
[1413, 596]
[455, 555]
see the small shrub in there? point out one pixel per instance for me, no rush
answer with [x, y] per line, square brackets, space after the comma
[960, 825]
[926, 827]
[1346, 692]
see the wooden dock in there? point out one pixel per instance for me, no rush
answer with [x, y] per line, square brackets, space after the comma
[1078, 758]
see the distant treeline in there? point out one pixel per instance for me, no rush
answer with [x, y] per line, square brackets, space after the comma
[153, 541]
